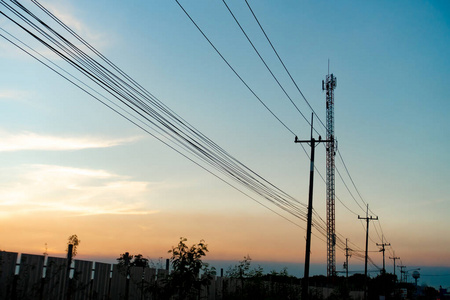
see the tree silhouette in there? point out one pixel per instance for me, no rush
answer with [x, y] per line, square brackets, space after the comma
[127, 260]
[185, 281]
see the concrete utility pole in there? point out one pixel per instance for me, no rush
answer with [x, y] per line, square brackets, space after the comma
[382, 250]
[367, 218]
[394, 258]
[312, 142]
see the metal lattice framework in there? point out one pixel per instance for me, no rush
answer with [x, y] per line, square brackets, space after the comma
[329, 85]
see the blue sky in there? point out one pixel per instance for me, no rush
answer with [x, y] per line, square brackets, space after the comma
[70, 165]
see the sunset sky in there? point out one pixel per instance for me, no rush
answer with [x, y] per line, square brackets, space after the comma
[69, 165]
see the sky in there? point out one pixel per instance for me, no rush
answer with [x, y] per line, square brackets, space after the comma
[69, 165]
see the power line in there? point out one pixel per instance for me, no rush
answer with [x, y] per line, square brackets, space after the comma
[229, 65]
[221, 161]
[282, 63]
[265, 64]
[353, 197]
[98, 72]
[141, 108]
[351, 179]
[284, 66]
[234, 71]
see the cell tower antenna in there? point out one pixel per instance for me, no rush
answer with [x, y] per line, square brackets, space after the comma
[328, 85]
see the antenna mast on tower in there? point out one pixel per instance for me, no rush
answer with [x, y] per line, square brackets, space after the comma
[328, 85]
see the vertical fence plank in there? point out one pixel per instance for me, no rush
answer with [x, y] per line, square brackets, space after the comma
[136, 284]
[118, 284]
[55, 282]
[150, 284]
[81, 279]
[211, 289]
[8, 262]
[100, 285]
[30, 276]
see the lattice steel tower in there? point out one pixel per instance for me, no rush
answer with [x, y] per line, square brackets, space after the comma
[329, 85]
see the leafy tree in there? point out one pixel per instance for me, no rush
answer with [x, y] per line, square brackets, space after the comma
[140, 261]
[127, 260]
[124, 263]
[73, 240]
[241, 270]
[185, 281]
[254, 284]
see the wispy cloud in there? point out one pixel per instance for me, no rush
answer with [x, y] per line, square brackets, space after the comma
[72, 191]
[63, 11]
[65, 14]
[13, 95]
[33, 141]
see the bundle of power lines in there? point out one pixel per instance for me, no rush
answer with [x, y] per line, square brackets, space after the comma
[129, 99]
[118, 91]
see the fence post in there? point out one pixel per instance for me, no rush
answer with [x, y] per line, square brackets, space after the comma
[69, 263]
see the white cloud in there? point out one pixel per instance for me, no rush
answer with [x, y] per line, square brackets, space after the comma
[72, 191]
[33, 141]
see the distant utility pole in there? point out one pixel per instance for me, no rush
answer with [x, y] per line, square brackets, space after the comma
[394, 258]
[367, 218]
[401, 272]
[312, 142]
[346, 257]
[382, 250]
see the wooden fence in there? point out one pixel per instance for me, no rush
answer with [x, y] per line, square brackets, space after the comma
[39, 277]
[36, 277]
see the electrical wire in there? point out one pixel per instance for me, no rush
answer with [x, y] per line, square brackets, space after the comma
[296, 85]
[140, 107]
[265, 64]
[234, 71]
[113, 86]
[284, 66]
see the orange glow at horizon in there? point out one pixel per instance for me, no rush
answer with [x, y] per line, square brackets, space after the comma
[265, 238]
